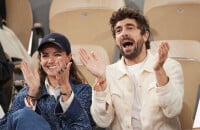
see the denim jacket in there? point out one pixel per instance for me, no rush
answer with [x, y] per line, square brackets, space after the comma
[77, 116]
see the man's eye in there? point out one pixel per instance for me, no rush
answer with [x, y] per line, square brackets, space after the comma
[117, 30]
[130, 28]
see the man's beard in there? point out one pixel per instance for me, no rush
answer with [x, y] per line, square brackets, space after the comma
[136, 52]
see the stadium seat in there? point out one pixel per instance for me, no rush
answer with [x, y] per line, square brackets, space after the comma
[173, 19]
[12, 45]
[191, 73]
[180, 48]
[20, 19]
[186, 52]
[84, 21]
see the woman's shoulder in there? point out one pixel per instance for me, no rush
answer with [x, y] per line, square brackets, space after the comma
[22, 92]
[81, 87]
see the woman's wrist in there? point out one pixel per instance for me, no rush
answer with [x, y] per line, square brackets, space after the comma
[35, 93]
[65, 95]
[68, 93]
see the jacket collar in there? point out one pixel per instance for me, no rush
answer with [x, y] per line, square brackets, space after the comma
[148, 66]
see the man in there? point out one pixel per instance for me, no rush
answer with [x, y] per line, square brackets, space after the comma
[140, 91]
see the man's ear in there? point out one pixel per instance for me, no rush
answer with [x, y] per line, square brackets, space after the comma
[146, 36]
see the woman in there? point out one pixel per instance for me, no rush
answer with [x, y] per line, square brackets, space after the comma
[56, 97]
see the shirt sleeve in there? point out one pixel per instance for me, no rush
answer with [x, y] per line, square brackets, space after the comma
[1, 112]
[65, 105]
[33, 107]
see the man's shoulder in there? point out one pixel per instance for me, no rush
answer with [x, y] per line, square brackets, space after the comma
[172, 61]
[172, 64]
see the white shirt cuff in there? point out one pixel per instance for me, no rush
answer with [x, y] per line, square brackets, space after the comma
[65, 105]
[26, 103]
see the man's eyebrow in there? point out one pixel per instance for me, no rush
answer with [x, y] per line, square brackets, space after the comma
[130, 24]
[127, 24]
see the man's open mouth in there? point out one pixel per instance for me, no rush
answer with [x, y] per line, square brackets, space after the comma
[127, 44]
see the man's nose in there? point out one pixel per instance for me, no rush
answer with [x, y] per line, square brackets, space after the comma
[124, 34]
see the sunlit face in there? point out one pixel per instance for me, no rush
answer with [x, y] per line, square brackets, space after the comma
[53, 59]
[129, 39]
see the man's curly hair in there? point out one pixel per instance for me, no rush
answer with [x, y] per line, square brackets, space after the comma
[126, 12]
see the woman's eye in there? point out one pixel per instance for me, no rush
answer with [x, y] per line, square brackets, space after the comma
[58, 54]
[44, 56]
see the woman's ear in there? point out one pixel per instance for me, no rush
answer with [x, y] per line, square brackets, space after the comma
[69, 57]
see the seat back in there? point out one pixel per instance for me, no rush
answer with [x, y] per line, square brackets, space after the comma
[84, 21]
[20, 19]
[191, 73]
[173, 19]
[12, 45]
[180, 48]
[187, 53]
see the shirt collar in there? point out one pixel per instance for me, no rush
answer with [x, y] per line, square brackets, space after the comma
[48, 86]
[148, 65]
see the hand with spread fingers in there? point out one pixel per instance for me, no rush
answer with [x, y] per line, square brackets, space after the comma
[93, 64]
[63, 74]
[62, 78]
[32, 79]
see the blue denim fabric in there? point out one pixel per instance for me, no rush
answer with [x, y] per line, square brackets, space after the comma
[77, 116]
[27, 119]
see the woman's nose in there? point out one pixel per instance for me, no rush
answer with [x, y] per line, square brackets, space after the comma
[51, 59]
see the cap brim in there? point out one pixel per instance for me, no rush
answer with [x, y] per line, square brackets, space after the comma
[45, 43]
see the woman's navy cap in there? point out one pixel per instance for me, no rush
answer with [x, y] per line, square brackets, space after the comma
[58, 39]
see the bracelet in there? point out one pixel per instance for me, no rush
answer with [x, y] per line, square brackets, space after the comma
[66, 94]
[32, 97]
